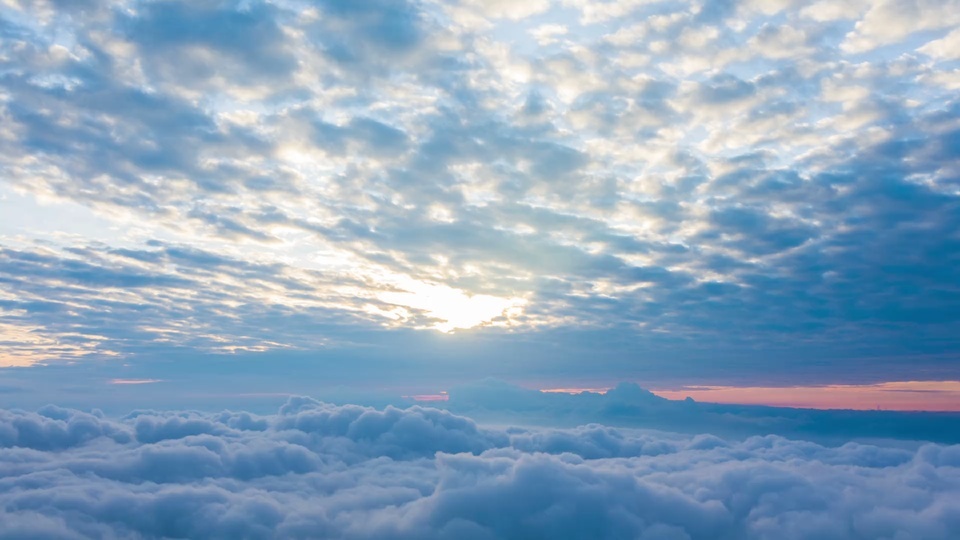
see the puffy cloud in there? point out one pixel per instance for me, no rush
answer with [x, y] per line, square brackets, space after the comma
[944, 48]
[55, 428]
[317, 470]
[504, 9]
[890, 21]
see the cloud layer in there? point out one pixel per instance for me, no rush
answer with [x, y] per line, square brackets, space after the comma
[265, 176]
[314, 470]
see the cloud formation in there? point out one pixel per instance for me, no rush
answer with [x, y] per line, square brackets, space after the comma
[259, 176]
[318, 470]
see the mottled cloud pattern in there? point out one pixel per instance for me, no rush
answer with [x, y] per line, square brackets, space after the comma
[741, 178]
[315, 470]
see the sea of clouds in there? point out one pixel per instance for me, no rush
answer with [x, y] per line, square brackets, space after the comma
[316, 470]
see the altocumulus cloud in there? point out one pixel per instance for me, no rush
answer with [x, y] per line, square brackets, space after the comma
[680, 176]
[315, 470]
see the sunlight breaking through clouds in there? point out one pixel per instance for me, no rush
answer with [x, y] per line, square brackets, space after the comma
[221, 204]
[727, 177]
[454, 309]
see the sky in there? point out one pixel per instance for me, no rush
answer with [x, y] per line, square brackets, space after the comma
[267, 198]
[480, 269]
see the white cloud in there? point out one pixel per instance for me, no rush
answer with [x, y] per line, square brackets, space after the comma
[781, 42]
[316, 470]
[453, 309]
[599, 12]
[509, 9]
[546, 34]
[830, 11]
[890, 21]
[945, 48]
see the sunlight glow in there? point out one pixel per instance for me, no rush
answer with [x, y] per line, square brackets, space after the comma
[22, 346]
[453, 308]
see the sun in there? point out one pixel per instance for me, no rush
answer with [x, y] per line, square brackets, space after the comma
[453, 308]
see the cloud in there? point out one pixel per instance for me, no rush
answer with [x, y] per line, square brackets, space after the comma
[629, 405]
[944, 48]
[885, 22]
[726, 177]
[204, 40]
[314, 469]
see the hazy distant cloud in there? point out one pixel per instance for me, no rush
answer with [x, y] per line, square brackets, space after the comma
[351, 472]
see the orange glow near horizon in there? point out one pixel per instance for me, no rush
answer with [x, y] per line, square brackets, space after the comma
[891, 396]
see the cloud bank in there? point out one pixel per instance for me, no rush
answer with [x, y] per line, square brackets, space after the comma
[315, 470]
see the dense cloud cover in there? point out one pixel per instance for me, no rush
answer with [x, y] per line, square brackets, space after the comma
[750, 178]
[315, 470]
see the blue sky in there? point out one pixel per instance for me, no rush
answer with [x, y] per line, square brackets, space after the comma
[213, 209]
[283, 194]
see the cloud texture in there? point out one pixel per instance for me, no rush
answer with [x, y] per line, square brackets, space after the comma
[676, 176]
[315, 470]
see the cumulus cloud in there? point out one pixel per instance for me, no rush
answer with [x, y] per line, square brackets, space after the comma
[890, 21]
[944, 48]
[317, 470]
